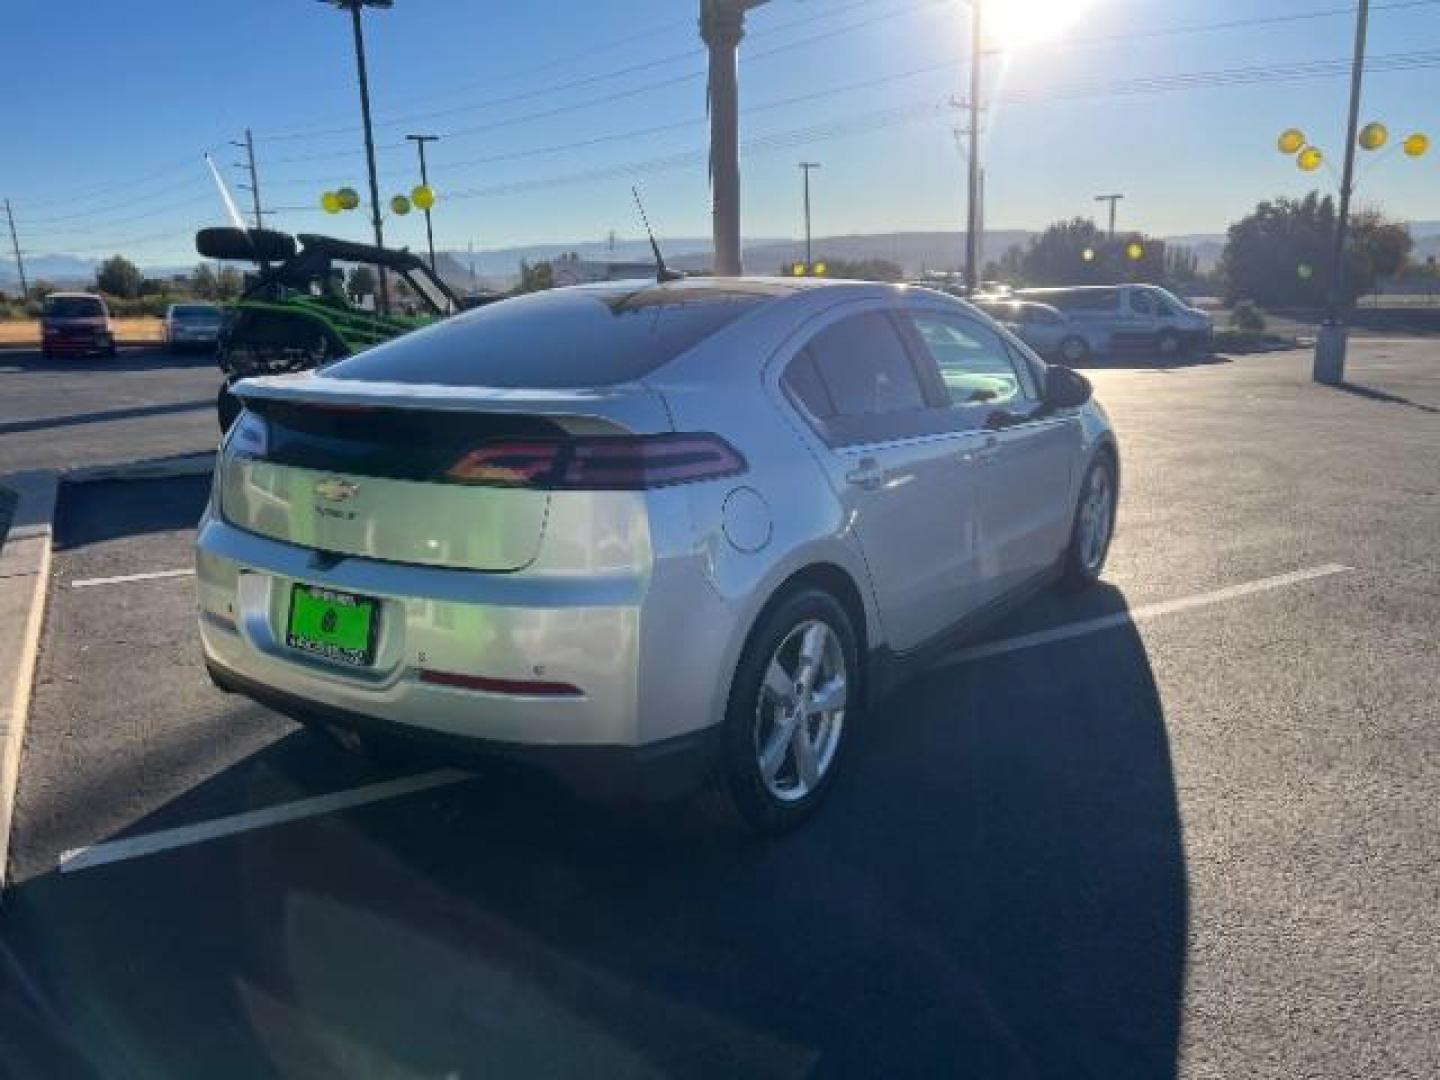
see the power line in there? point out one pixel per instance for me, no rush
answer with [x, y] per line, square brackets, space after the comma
[619, 95]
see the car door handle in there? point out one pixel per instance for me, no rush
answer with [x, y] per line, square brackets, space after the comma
[867, 474]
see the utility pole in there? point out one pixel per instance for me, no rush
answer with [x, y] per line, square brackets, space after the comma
[420, 141]
[15, 242]
[806, 167]
[470, 248]
[354, 6]
[1330, 342]
[254, 186]
[1112, 200]
[972, 217]
[722, 25]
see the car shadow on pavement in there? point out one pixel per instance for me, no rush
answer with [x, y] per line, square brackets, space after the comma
[996, 888]
[101, 510]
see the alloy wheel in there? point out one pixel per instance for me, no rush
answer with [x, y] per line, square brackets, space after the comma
[800, 715]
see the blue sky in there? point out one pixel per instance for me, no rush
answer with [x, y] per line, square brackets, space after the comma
[103, 124]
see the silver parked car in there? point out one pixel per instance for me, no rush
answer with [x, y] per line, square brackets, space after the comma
[647, 532]
[1046, 329]
[193, 326]
[1142, 318]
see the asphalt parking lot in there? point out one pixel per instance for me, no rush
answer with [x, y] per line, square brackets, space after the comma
[76, 411]
[1184, 824]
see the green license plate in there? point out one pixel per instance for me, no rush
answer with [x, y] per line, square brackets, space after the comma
[334, 625]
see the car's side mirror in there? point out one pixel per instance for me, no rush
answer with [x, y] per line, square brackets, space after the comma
[1065, 388]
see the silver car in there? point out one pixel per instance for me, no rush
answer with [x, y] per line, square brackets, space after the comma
[645, 533]
[193, 326]
[1046, 329]
[1116, 318]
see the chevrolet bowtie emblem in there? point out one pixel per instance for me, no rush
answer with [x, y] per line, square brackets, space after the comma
[333, 490]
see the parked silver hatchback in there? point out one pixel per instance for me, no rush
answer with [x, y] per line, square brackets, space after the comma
[646, 533]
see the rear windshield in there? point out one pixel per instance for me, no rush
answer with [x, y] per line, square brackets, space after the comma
[195, 313]
[74, 307]
[566, 338]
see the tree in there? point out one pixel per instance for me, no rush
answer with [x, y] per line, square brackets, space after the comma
[118, 276]
[1182, 267]
[39, 290]
[535, 277]
[202, 282]
[360, 282]
[228, 283]
[870, 269]
[1279, 254]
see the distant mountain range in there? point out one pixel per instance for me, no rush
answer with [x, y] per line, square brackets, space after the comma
[915, 252]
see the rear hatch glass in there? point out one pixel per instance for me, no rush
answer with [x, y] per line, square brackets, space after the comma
[74, 307]
[565, 338]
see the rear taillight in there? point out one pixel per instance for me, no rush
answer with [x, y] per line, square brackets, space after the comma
[598, 463]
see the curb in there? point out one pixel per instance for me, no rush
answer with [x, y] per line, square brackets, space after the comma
[24, 582]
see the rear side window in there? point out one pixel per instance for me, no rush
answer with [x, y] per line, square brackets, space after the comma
[863, 365]
[1096, 300]
[559, 339]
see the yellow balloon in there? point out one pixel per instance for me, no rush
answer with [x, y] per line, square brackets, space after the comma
[330, 202]
[400, 204]
[1088, 254]
[1373, 136]
[423, 197]
[1416, 145]
[1291, 140]
[820, 269]
[798, 270]
[1135, 251]
[1310, 159]
[349, 198]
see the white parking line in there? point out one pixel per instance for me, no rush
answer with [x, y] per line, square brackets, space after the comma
[1140, 614]
[133, 847]
[154, 575]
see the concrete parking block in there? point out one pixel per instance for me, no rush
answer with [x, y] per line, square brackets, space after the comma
[24, 575]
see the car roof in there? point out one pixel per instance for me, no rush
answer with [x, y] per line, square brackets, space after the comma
[75, 295]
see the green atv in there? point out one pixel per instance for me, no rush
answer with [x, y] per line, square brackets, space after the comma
[294, 315]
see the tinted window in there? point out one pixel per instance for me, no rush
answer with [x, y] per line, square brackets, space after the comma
[74, 307]
[557, 339]
[973, 360]
[805, 385]
[865, 367]
[1141, 302]
[195, 313]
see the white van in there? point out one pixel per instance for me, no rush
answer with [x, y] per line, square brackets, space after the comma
[1121, 317]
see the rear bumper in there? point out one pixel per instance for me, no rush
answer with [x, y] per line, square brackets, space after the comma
[662, 770]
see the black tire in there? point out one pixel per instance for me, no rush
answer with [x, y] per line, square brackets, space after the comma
[1169, 346]
[227, 407]
[743, 794]
[1074, 350]
[1083, 566]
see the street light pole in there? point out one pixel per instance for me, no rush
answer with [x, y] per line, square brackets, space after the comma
[1330, 342]
[420, 141]
[354, 7]
[805, 167]
[972, 214]
[1112, 200]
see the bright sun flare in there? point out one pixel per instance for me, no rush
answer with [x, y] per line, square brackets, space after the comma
[1013, 24]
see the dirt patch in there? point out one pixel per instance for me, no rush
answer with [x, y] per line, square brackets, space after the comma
[142, 331]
